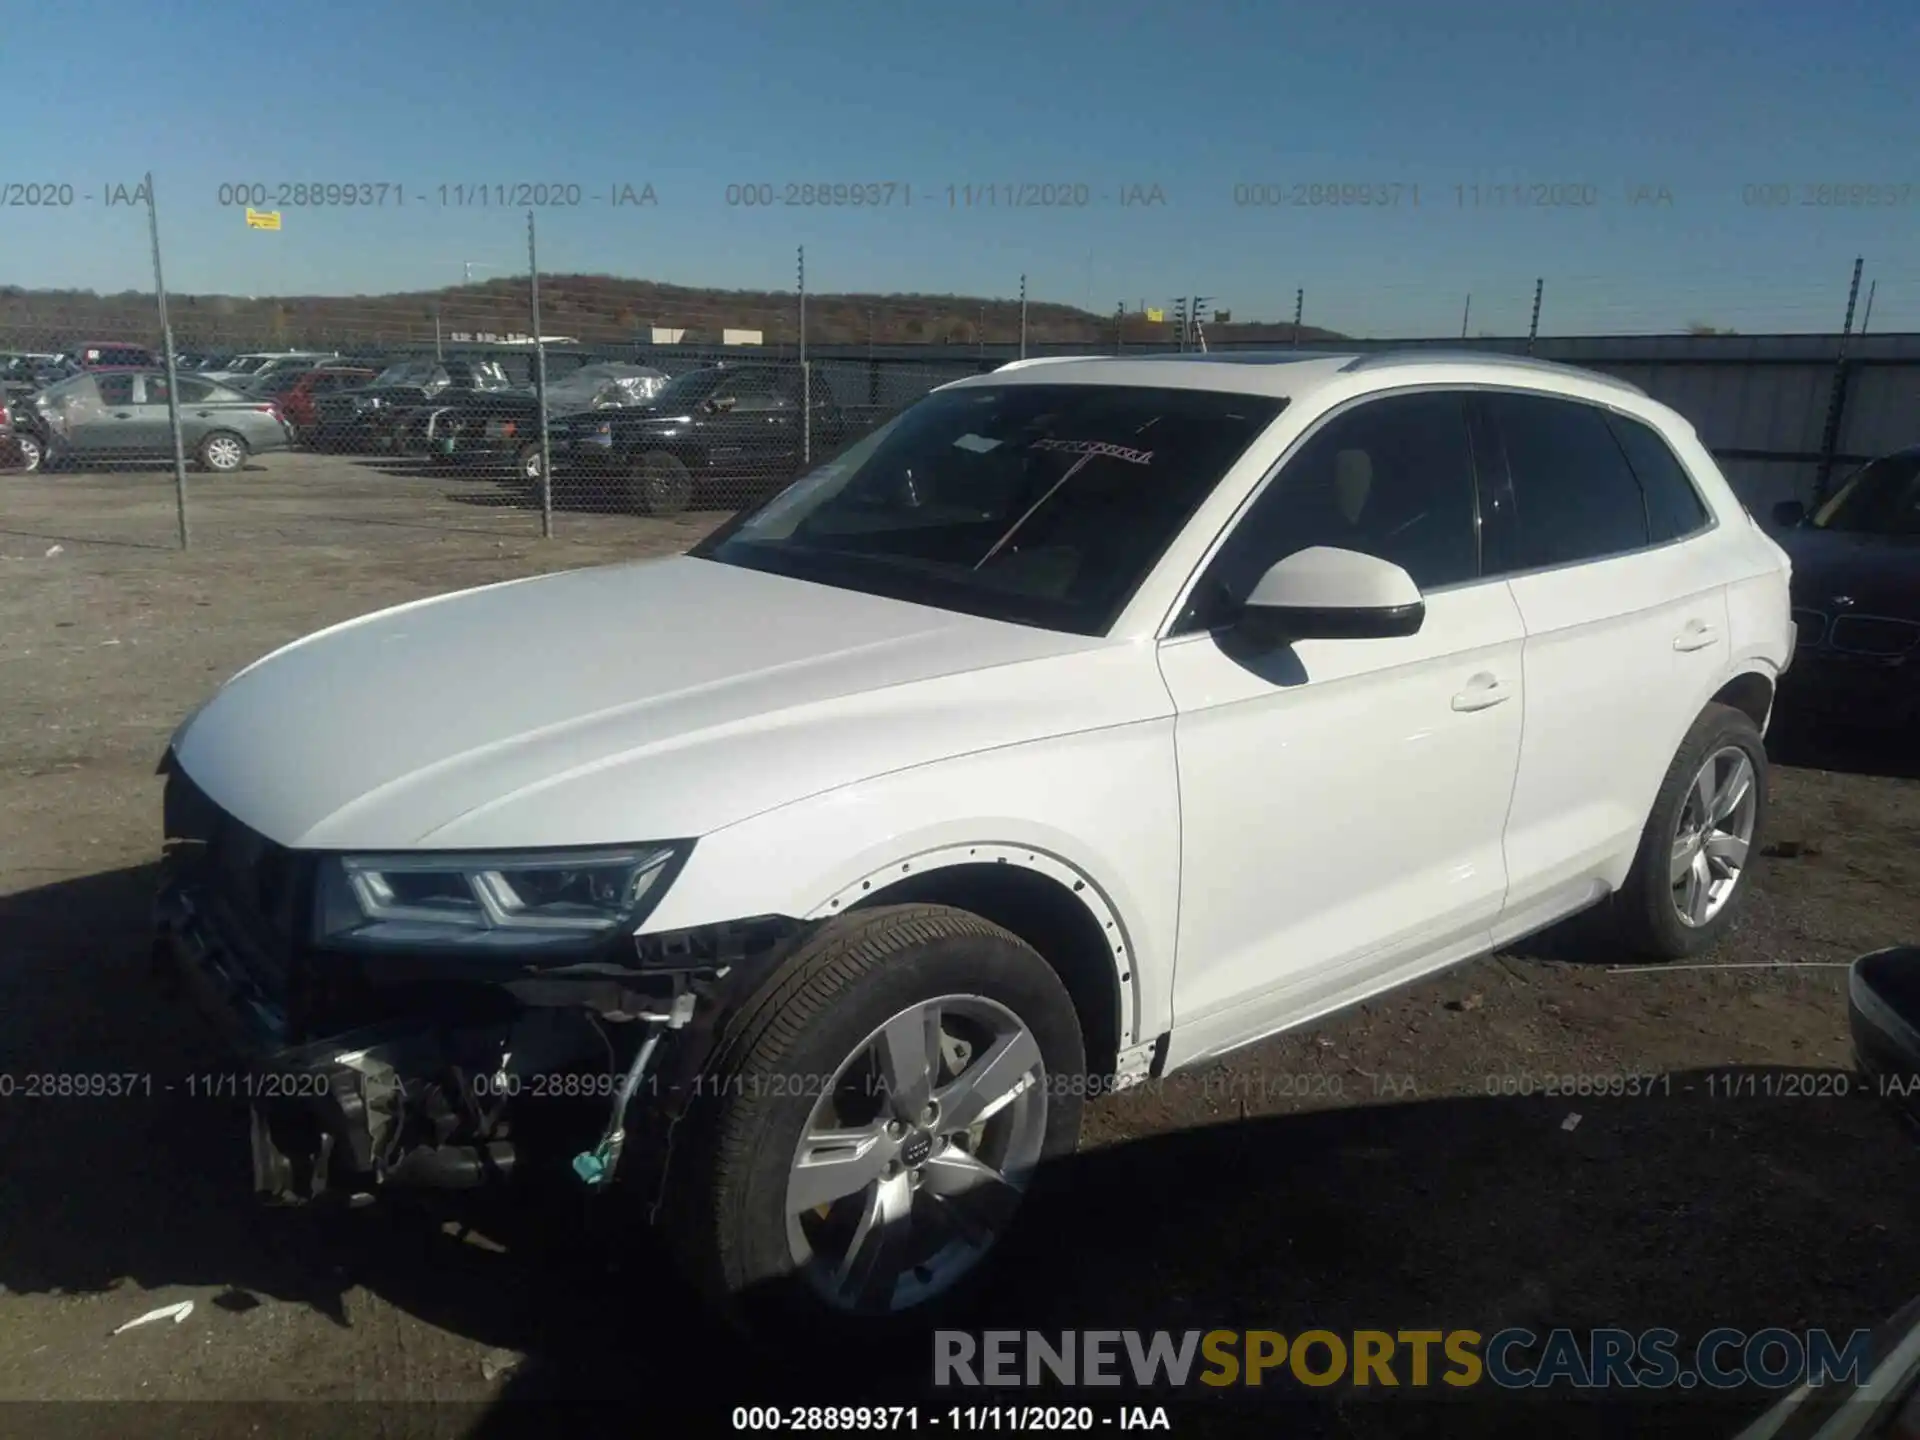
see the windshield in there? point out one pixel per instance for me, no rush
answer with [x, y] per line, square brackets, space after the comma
[1880, 498]
[408, 372]
[280, 382]
[685, 391]
[1041, 504]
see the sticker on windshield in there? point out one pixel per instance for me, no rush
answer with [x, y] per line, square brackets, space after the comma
[1097, 447]
[978, 444]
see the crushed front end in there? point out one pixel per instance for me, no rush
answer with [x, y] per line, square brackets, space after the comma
[367, 1071]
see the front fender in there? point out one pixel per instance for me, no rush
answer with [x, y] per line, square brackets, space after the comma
[1055, 805]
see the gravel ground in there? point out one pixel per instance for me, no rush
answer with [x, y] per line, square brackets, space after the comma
[1359, 1176]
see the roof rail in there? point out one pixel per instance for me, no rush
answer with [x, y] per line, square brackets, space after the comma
[1380, 359]
[1045, 360]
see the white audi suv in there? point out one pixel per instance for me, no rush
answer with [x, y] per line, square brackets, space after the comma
[1090, 719]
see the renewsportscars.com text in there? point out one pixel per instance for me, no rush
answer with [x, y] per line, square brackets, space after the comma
[1510, 1359]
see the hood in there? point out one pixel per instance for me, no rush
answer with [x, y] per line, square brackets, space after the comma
[1880, 573]
[657, 700]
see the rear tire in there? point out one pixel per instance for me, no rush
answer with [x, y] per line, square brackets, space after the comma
[859, 991]
[658, 483]
[222, 452]
[1694, 870]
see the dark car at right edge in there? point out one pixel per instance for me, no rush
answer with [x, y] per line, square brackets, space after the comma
[1856, 600]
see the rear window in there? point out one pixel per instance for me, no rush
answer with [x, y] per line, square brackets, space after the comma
[1042, 504]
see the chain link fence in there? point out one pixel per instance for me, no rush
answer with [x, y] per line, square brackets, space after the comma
[532, 399]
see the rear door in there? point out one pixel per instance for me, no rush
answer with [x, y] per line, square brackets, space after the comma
[1626, 631]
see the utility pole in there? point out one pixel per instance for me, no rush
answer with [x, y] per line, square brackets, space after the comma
[1023, 317]
[540, 386]
[173, 376]
[1199, 335]
[1119, 319]
[1180, 322]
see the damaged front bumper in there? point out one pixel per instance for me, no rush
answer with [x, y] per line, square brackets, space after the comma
[365, 1073]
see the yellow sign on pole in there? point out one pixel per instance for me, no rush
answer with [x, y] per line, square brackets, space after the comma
[1155, 317]
[262, 219]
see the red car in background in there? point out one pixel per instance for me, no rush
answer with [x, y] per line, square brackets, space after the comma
[295, 393]
[113, 354]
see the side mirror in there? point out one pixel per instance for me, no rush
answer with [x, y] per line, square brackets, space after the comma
[1326, 593]
[1789, 513]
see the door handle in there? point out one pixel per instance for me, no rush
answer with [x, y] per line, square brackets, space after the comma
[1697, 636]
[1483, 692]
[122, 415]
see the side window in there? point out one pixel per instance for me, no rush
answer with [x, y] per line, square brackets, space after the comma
[1574, 497]
[1674, 507]
[1392, 478]
[756, 390]
[195, 392]
[150, 390]
[115, 389]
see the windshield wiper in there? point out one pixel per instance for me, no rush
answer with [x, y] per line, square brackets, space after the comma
[1052, 490]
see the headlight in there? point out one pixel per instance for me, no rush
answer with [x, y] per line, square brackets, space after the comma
[546, 900]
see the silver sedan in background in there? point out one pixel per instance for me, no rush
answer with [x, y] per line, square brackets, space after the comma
[107, 416]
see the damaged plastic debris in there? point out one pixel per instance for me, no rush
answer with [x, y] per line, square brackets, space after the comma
[175, 1313]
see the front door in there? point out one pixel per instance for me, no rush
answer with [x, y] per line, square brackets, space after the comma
[1343, 801]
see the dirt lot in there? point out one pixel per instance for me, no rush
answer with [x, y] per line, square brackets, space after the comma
[1358, 1176]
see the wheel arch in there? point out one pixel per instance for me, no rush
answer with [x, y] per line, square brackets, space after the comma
[1044, 900]
[1751, 692]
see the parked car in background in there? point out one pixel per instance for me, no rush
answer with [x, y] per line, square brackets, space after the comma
[22, 373]
[1856, 599]
[244, 368]
[502, 427]
[297, 391]
[105, 416]
[110, 354]
[365, 419]
[743, 426]
[1402, 658]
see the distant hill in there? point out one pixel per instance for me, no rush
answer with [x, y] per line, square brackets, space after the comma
[595, 309]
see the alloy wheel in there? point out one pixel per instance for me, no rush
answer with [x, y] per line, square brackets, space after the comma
[224, 453]
[916, 1155]
[1713, 835]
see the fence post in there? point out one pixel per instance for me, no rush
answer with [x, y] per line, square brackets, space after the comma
[1299, 309]
[540, 387]
[803, 305]
[1023, 317]
[1837, 399]
[1464, 313]
[173, 385]
[1533, 328]
[806, 413]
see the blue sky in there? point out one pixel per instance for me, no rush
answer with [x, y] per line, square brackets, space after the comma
[1196, 98]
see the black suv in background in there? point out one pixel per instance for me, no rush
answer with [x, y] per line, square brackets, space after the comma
[367, 418]
[734, 433]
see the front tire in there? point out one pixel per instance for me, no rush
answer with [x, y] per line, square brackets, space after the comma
[28, 448]
[871, 1123]
[659, 484]
[1694, 870]
[222, 452]
[526, 465]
